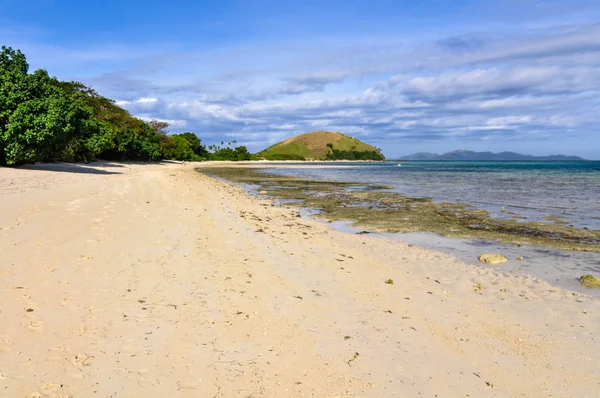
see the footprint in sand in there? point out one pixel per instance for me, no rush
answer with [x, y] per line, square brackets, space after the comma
[51, 387]
[68, 303]
[58, 354]
[35, 325]
[80, 329]
[47, 395]
[80, 360]
[5, 347]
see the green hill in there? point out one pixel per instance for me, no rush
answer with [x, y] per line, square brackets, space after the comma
[321, 145]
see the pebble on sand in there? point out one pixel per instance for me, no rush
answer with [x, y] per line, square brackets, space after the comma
[492, 258]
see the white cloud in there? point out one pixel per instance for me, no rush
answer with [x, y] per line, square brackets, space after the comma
[509, 120]
[474, 88]
[147, 100]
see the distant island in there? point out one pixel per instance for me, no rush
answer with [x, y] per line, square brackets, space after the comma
[321, 145]
[487, 156]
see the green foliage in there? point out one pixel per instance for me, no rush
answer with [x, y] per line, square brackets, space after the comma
[354, 155]
[239, 153]
[38, 121]
[121, 136]
[13, 61]
[200, 151]
[184, 146]
[48, 129]
[177, 148]
[44, 119]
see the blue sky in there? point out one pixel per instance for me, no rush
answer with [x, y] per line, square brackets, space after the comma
[406, 76]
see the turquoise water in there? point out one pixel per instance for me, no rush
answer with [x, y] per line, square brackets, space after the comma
[527, 191]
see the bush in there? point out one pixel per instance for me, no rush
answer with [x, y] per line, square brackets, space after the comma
[44, 119]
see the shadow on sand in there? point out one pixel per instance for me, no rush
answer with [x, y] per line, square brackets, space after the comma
[95, 168]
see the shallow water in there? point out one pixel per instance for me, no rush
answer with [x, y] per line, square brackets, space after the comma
[560, 268]
[557, 267]
[529, 191]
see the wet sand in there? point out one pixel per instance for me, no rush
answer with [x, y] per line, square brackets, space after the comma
[155, 280]
[559, 267]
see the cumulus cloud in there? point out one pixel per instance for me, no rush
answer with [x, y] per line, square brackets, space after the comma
[464, 89]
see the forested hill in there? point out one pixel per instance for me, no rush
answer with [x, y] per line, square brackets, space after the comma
[44, 119]
[321, 145]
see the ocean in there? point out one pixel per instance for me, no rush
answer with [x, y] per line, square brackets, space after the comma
[547, 192]
[567, 192]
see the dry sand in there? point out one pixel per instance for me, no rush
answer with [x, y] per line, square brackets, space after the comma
[156, 281]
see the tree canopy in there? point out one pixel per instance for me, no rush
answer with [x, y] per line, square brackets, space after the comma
[43, 119]
[352, 154]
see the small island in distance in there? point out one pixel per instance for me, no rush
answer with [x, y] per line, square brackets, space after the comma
[488, 156]
[321, 145]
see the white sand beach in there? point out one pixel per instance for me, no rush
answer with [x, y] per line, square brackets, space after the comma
[134, 280]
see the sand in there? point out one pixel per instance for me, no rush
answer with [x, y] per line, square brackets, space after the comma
[132, 280]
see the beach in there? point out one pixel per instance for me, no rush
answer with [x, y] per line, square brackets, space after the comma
[153, 280]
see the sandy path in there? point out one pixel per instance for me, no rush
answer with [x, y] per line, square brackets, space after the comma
[157, 281]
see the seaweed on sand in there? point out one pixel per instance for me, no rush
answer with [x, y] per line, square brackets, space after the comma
[377, 208]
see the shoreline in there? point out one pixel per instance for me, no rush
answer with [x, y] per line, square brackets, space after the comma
[374, 207]
[561, 268]
[157, 280]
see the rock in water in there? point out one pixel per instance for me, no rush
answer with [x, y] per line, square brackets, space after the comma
[590, 281]
[492, 258]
